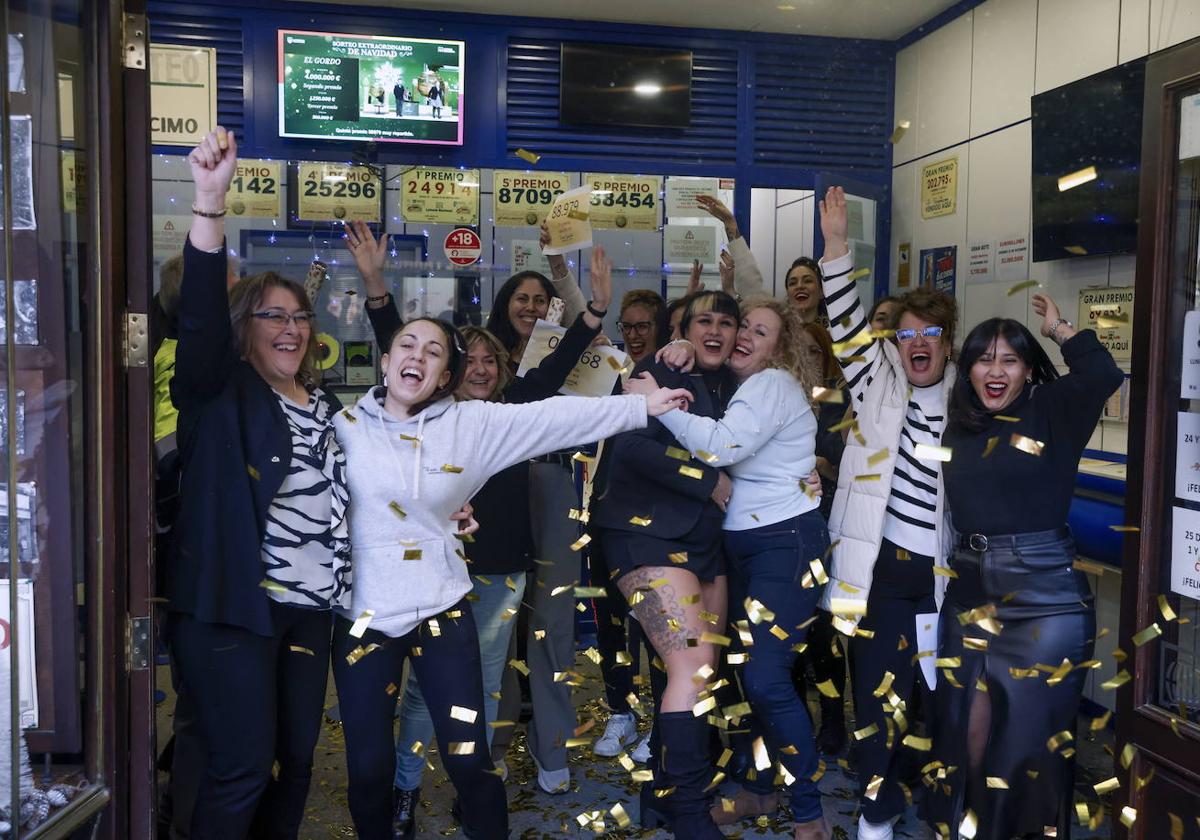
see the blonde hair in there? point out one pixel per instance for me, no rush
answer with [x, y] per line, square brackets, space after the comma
[473, 335]
[246, 297]
[789, 353]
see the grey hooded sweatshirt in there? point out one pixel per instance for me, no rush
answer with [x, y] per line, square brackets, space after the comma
[407, 477]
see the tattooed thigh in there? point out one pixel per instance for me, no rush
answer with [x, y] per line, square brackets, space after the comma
[659, 609]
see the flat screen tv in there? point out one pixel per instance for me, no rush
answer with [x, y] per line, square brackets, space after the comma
[619, 85]
[370, 87]
[1087, 150]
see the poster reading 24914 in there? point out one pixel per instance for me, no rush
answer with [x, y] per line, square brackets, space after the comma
[370, 87]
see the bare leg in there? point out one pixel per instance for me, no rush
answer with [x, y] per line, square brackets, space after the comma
[979, 725]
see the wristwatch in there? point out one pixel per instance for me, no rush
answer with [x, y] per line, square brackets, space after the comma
[1054, 329]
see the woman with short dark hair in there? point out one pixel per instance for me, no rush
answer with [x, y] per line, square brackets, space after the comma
[1015, 603]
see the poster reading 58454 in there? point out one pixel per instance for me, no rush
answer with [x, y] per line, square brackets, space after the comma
[370, 87]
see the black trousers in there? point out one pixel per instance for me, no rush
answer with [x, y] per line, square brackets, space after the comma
[258, 700]
[900, 591]
[444, 654]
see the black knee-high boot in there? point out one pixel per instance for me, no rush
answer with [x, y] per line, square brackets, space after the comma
[686, 767]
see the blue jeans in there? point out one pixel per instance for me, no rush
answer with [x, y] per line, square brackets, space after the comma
[768, 564]
[494, 632]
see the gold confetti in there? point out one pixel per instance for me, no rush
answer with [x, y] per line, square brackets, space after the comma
[298, 649]
[254, 473]
[691, 472]
[518, 665]
[529, 157]
[1060, 672]
[572, 743]
[860, 340]
[991, 444]
[1152, 632]
[507, 614]
[1075, 179]
[1026, 444]
[860, 273]
[1133, 529]
[901, 127]
[866, 732]
[778, 632]
[500, 724]
[704, 706]
[590, 592]
[827, 395]
[737, 710]
[1101, 722]
[1128, 816]
[762, 761]
[417, 748]
[412, 554]
[945, 572]
[1058, 740]
[714, 639]
[359, 652]
[678, 557]
[462, 748]
[578, 215]
[1107, 786]
[435, 629]
[360, 624]
[969, 825]
[1127, 754]
[581, 542]
[927, 452]
[881, 455]
[1022, 286]
[847, 606]
[737, 658]
[678, 454]
[1164, 607]
[873, 787]
[917, 743]
[997, 783]
[272, 586]
[818, 570]
[827, 688]
[622, 818]
[843, 424]
[1176, 826]
[396, 509]
[349, 416]
[640, 520]
[885, 684]
[972, 643]
[710, 617]
[464, 714]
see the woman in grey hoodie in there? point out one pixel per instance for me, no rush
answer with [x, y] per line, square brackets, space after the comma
[414, 456]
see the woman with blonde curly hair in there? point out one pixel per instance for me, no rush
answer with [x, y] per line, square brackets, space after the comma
[773, 530]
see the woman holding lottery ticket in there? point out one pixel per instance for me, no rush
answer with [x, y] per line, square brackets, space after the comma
[774, 537]
[1019, 620]
[888, 523]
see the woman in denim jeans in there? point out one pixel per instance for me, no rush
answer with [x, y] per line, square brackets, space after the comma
[773, 532]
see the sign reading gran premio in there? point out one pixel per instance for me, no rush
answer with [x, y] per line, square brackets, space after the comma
[370, 87]
[183, 94]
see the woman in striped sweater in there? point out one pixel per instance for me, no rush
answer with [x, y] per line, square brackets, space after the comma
[888, 523]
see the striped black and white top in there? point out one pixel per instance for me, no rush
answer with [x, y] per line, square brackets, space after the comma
[911, 511]
[306, 548]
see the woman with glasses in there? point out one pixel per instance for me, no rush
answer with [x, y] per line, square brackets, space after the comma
[643, 323]
[261, 547]
[888, 523]
[1016, 604]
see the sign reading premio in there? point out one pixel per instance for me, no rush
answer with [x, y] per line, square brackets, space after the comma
[183, 94]
[939, 189]
[626, 202]
[1109, 311]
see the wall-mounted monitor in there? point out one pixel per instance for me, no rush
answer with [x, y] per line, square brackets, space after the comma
[370, 87]
[1087, 154]
[619, 85]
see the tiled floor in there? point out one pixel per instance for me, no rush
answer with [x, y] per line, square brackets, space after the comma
[598, 784]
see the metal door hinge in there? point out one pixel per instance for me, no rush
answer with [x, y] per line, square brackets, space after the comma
[135, 41]
[137, 340]
[137, 643]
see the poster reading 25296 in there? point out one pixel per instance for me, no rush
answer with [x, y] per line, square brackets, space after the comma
[370, 87]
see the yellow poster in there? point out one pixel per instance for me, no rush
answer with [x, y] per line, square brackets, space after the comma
[440, 194]
[72, 179]
[939, 189]
[183, 94]
[522, 199]
[327, 192]
[256, 189]
[628, 202]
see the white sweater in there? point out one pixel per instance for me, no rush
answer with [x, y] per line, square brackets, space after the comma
[767, 438]
[406, 477]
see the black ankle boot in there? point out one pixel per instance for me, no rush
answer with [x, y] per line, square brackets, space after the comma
[404, 817]
[687, 768]
[831, 737]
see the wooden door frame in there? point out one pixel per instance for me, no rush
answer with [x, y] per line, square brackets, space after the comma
[1139, 722]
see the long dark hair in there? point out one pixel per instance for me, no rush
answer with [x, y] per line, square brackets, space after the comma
[965, 409]
[815, 267]
[498, 322]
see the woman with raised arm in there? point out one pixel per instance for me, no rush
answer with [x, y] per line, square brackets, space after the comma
[658, 520]
[413, 455]
[773, 532]
[888, 523]
[1016, 604]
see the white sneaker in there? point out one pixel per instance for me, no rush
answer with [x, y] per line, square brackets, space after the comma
[619, 731]
[553, 781]
[641, 753]
[874, 831]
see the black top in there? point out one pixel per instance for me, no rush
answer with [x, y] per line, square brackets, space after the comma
[637, 476]
[1011, 491]
[831, 445]
[504, 543]
[235, 448]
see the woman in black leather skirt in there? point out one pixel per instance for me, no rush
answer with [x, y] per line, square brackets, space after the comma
[1018, 618]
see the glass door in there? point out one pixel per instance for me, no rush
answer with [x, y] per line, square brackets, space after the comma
[1158, 688]
[869, 214]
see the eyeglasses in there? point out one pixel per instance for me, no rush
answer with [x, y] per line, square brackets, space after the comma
[905, 336]
[279, 318]
[641, 328]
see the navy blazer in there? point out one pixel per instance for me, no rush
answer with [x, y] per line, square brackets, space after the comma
[637, 477]
[235, 448]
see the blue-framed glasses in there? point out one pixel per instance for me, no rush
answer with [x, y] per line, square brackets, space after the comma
[931, 333]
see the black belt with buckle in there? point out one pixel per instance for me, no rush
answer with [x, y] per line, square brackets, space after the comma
[982, 542]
